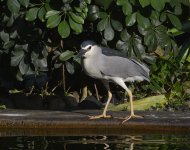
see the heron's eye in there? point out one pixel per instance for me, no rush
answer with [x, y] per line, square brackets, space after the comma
[89, 48]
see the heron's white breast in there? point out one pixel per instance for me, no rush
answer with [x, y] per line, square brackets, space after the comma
[91, 68]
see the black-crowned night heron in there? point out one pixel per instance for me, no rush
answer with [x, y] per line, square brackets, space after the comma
[104, 63]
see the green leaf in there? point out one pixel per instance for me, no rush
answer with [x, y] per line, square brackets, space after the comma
[120, 2]
[77, 18]
[104, 3]
[47, 7]
[31, 14]
[138, 47]
[23, 67]
[14, 34]
[13, 6]
[4, 36]
[175, 21]
[66, 55]
[17, 57]
[148, 38]
[93, 9]
[163, 17]
[109, 32]
[52, 13]
[125, 35]
[149, 59]
[88, 1]
[102, 24]
[53, 21]
[24, 3]
[41, 64]
[93, 12]
[8, 44]
[127, 8]
[143, 21]
[130, 19]
[158, 4]
[78, 9]
[144, 3]
[103, 15]
[75, 26]
[19, 76]
[41, 14]
[116, 25]
[178, 10]
[64, 29]
[69, 67]
[10, 21]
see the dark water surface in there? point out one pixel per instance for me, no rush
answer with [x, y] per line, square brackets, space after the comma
[123, 142]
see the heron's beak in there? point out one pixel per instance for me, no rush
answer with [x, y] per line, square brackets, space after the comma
[81, 53]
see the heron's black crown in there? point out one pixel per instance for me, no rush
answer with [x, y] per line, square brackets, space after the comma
[88, 42]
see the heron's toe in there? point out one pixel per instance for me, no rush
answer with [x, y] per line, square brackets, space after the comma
[131, 116]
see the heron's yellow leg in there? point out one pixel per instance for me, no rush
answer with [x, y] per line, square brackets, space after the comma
[132, 108]
[104, 115]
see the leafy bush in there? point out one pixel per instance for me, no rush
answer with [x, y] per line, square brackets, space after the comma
[39, 36]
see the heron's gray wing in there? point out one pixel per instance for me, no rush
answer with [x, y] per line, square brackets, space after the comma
[111, 52]
[116, 66]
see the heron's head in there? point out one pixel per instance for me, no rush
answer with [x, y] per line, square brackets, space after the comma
[87, 48]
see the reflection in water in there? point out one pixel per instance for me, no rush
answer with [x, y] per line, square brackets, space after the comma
[127, 142]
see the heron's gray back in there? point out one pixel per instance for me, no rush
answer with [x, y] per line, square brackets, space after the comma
[116, 66]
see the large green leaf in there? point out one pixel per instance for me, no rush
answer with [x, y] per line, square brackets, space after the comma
[178, 9]
[116, 25]
[138, 47]
[127, 8]
[148, 38]
[69, 67]
[64, 29]
[78, 9]
[66, 55]
[109, 32]
[13, 6]
[77, 18]
[130, 19]
[9, 44]
[53, 21]
[163, 16]
[75, 26]
[120, 2]
[143, 21]
[17, 57]
[19, 76]
[93, 12]
[102, 24]
[24, 3]
[41, 14]
[23, 67]
[144, 3]
[125, 35]
[158, 4]
[175, 21]
[155, 18]
[52, 13]
[41, 64]
[4, 36]
[31, 14]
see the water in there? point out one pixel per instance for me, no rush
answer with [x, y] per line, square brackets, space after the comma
[123, 142]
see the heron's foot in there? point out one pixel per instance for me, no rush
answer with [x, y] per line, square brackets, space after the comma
[100, 116]
[131, 116]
